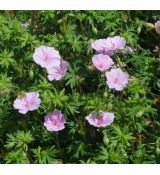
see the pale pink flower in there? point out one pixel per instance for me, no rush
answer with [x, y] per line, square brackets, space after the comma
[102, 119]
[157, 27]
[29, 102]
[56, 73]
[117, 79]
[130, 49]
[102, 62]
[101, 46]
[116, 42]
[109, 46]
[54, 121]
[127, 50]
[46, 57]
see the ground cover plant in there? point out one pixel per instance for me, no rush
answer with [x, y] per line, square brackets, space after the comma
[79, 87]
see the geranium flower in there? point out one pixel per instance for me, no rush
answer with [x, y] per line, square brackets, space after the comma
[117, 79]
[102, 119]
[46, 57]
[157, 27]
[54, 121]
[102, 62]
[127, 50]
[29, 102]
[56, 73]
[109, 46]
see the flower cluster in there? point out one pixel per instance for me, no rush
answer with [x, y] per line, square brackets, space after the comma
[116, 78]
[109, 46]
[49, 58]
[54, 121]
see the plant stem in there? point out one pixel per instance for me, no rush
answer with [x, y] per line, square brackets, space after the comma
[27, 122]
[28, 156]
[58, 145]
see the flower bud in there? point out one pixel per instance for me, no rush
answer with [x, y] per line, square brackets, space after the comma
[158, 151]
[139, 30]
[91, 68]
[157, 27]
[79, 78]
[105, 94]
[59, 21]
[31, 74]
[109, 107]
[149, 25]
[105, 140]
[94, 30]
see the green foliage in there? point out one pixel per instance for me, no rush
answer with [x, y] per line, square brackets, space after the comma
[6, 59]
[18, 144]
[134, 135]
[44, 156]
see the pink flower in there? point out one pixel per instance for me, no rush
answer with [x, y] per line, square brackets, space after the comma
[56, 73]
[102, 62]
[102, 119]
[54, 121]
[116, 79]
[116, 42]
[127, 50]
[157, 27]
[130, 49]
[110, 45]
[46, 57]
[29, 102]
[101, 46]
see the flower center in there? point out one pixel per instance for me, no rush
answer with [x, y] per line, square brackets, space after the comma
[46, 57]
[99, 120]
[27, 104]
[55, 121]
[100, 65]
[116, 80]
